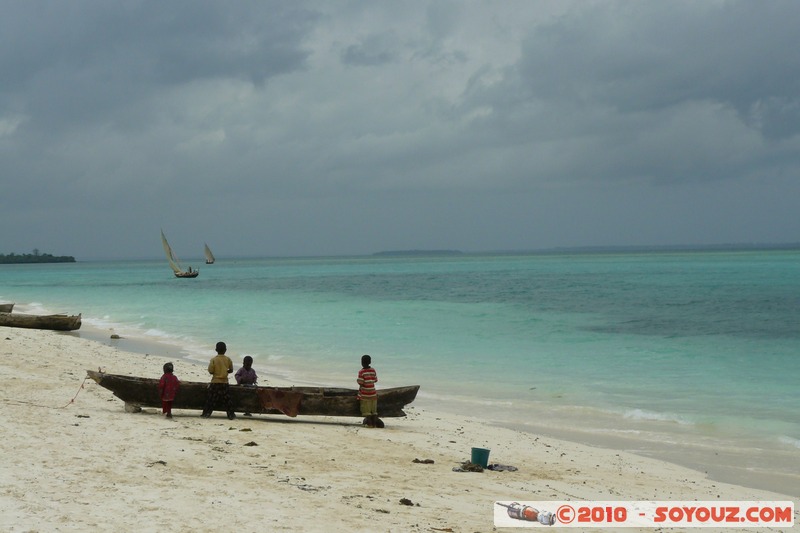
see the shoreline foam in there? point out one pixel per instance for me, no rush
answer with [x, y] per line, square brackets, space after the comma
[75, 460]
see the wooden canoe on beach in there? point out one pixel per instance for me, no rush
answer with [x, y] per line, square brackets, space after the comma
[56, 322]
[139, 392]
[6, 308]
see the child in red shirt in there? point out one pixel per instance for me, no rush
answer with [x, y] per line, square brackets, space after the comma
[367, 395]
[168, 389]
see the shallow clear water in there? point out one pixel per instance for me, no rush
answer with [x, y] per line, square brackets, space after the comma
[660, 345]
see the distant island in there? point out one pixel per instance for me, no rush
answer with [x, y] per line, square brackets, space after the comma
[35, 257]
[604, 249]
[395, 253]
[723, 247]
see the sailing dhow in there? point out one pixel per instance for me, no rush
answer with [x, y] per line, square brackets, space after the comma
[209, 256]
[173, 261]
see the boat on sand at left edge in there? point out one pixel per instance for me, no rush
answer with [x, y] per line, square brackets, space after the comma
[55, 322]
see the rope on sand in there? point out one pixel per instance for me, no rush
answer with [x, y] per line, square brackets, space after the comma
[83, 385]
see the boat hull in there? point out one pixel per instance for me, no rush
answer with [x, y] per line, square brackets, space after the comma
[54, 322]
[309, 401]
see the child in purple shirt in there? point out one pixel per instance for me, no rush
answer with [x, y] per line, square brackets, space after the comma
[246, 375]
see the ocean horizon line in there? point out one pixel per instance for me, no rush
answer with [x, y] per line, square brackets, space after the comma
[453, 252]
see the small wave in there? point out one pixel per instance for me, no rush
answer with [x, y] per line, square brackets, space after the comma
[641, 414]
[102, 323]
[616, 431]
[33, 308]
[790, 441]
[492, 403]
[159, 333]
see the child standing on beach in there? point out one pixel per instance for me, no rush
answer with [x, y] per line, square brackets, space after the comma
[247, 375]
[367, 395]
[219, 367]
[167, 389]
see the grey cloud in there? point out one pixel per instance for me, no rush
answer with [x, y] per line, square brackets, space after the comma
[376, 49]
[80, 61]
[666, 92]
[642, 56]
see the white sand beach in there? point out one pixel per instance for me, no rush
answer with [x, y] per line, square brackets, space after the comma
[74, 460]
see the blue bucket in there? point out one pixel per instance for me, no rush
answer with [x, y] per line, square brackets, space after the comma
[480, 456]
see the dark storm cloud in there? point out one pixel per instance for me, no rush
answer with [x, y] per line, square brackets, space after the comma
[80, 61]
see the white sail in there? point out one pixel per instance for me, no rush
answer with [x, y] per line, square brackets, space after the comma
[209, 256]
[173, 261]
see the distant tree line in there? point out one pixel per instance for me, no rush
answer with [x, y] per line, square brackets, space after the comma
[35, 257]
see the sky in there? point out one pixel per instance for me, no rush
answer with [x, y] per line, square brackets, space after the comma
[276, 128]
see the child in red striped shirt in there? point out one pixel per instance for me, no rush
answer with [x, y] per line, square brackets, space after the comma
[367, 395]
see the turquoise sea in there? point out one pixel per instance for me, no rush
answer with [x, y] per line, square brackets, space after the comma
[690, 356]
